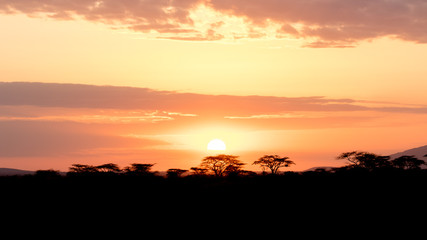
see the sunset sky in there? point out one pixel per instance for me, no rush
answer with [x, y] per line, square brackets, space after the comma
[153, 81]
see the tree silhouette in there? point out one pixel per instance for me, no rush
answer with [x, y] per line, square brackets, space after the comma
[108, 168]
[234, 169]
[408, 163]
[198, 171]
[222, 164]
[365, 160]
[82, 168]
[273, 162]
[142, 169]
[47, 174]
[175, 172]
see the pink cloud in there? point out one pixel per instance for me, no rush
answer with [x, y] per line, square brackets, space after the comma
[139, 15]
[322, 23]
[161, 103]
[337, 22]
[27, 138]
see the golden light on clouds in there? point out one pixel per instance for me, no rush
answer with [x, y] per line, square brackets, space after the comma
[207, 24]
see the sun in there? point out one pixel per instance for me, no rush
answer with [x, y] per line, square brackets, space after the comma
[216, 144]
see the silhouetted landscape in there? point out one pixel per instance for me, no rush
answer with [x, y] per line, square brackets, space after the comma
[213, 111]
[367, 179]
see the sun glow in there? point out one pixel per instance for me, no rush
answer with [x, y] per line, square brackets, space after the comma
[216, 144]
[235, 139]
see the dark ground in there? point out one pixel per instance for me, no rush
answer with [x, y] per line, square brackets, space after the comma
[312, 188]
[319, 203]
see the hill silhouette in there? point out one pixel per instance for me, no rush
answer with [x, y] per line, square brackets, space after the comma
[418, 152]
[14, 171]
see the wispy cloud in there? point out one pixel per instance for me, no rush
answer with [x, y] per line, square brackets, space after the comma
[27, 138]
[321, 23]
[266, 116]
[100, 118]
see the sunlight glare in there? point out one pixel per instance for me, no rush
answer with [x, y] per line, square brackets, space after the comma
[216, 144]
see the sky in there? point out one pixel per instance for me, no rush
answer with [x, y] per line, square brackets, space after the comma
[91, 81]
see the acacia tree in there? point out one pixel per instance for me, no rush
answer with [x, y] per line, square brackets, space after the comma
[108, 168]
[142, 169]
[365, 160]
[222, 164]
[408, 163]
[175, 172]
[83, 168]
[273, 162]
[198, 171]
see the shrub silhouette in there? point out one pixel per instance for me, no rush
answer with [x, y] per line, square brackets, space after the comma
[47, 174]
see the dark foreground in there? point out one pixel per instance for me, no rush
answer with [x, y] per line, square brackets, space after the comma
[315, 203]
[312, 189]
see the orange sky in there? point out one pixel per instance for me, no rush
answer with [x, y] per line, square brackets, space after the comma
[159, 80]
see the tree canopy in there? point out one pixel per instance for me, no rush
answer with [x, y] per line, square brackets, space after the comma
[108, 167]
[365, 160]
[139, 169]
[175, 172]
[408, 163]
[222, 164]
[273, 162]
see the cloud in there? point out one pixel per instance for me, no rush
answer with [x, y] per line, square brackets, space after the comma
[336, 22]
[320, 23]
[107, 114]
[159, 13]
[133, 103]
[163, 16]
[102, 116]
[55, 139]
[265, 116]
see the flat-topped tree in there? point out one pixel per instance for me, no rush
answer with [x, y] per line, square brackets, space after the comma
[175, 172]
[108, 168]
[408, 163]
[142, 169]
[222, 164]
[273, 162]
[365, 160]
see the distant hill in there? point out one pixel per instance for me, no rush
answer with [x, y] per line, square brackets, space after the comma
[12, 172]
[418, 152]
[326, 168]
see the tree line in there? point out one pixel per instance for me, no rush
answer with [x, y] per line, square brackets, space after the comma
[371, 161]
[230, 165]
[218, 166]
